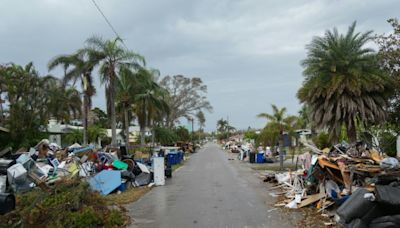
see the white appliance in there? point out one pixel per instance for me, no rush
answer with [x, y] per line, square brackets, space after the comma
[158, 169]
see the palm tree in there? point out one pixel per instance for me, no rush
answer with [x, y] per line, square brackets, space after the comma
[112, 57]
[150, 100]
[277, 116]
[77, 67]
[222, 125]
[343, 84]
[95, 133]
[126, 86]
[63, 102]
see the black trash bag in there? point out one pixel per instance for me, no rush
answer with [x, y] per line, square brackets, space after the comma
[388, 195]
[7, 203]
[125, 174]
[390, 221]
[385, 180]
[374, 212]
[356, 223]
[143, 179]
[168, 172]
[355, 207]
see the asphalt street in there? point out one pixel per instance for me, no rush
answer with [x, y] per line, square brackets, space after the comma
[210, 190]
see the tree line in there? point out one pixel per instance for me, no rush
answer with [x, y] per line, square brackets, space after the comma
[133, 92]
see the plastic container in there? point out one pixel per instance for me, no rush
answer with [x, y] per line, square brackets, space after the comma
[180, 157]
[260, 158]
[120, 165]
[172, 159]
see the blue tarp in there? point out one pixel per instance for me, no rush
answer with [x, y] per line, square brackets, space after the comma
[106, 181]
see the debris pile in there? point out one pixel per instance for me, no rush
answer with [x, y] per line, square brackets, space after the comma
[105, 170]
[359, 182]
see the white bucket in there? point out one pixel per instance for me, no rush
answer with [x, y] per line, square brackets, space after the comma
[3, 184]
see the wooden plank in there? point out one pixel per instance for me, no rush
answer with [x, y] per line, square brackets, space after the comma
[311, 199]
[345, 176]
[275, 187]
[323, 163]
[334, 176]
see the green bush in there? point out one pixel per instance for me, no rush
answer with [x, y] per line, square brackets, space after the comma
[165, 135]
[388, 143]
[322, 140]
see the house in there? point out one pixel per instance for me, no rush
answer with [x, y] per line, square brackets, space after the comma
[56, 131]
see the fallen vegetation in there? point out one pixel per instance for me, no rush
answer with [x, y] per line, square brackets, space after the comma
[68, 204]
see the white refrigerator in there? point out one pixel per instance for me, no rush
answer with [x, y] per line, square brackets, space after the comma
[158, 169]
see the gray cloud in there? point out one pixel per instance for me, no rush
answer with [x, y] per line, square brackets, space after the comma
[247, 52]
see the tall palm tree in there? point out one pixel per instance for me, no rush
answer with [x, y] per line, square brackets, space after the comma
[343, 84]
[150, 100]
[112, 57]
[277, 116]
[63, 102]
[78, 67]
[222, 125]
[126, 86]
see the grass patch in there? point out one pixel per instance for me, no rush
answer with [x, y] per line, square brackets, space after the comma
[176, 166]
[129, 196]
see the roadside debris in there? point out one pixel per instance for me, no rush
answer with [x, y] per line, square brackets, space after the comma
[109, 170]
[359, 183]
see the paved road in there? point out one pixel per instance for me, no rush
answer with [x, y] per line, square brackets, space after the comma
[209, 191]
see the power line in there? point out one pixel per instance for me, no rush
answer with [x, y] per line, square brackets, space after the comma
[108, 22]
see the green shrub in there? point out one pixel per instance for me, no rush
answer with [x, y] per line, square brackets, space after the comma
[322, 140]
[387, 142]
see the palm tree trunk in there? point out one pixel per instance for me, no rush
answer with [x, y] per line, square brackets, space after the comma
[126, 128]
[143, 128]
[142, 132]
[113, 117]
[85, 118]
[352, 131]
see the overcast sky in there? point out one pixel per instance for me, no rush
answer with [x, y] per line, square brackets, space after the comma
[247, 52]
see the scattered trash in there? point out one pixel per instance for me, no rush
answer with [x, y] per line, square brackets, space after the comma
[106, 170]
[360, 183]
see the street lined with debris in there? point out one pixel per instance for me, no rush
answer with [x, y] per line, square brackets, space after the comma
[209, 191]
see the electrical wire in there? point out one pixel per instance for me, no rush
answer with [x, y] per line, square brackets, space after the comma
[108, 22]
